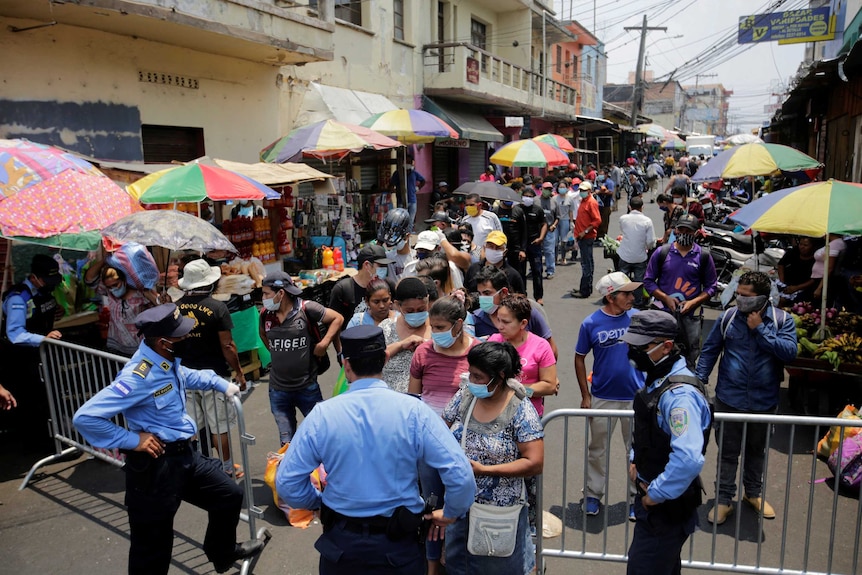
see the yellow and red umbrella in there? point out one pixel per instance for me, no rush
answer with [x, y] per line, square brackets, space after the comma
[410, 126]
[555, 140]
[530, 154]
[195, 182]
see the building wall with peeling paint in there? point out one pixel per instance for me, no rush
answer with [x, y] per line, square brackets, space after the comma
[90, 91]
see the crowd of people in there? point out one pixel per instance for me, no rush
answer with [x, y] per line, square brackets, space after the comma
[431, 456]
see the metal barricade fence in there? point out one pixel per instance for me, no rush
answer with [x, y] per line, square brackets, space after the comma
[816, 531]
[73, 374]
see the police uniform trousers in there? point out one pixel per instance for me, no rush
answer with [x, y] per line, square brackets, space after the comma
[155, 487]
[657, 541]
[349, 547]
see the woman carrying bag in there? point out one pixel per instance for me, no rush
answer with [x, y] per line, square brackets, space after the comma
[502, 436]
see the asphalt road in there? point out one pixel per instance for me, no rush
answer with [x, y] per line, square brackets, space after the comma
[71, 519]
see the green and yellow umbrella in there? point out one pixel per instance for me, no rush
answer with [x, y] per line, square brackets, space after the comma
[755, 160]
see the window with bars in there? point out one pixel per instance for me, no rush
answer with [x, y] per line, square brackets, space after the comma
[479, 38]
[347, 10]
[165, 144]
[398, 19]
[559, 60]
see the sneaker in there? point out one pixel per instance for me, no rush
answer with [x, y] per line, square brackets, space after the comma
[632, 517]
[592, 505]
[760, 506]
[719, 513]
[549, 276]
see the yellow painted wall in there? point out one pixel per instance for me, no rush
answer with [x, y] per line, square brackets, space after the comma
[237, 102]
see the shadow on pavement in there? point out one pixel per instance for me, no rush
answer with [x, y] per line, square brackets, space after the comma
[575, 517]
[263, 499]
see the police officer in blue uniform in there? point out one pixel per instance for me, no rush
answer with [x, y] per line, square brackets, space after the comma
[671, 429]
[370, 441]
[28, 318]
[162, 466]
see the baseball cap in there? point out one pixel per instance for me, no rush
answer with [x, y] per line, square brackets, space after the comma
[497, 238]
[586, 186]
[614, 282]
[164, 321]
[427, 240]
[649, 325]
[439, 217]
[280, 280]
[688, 221]
[373, 253]
[442, 185]
[47, 269]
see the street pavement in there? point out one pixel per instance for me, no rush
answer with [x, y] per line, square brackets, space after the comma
[71, 518]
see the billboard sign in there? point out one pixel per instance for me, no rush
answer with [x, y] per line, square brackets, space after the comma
[806, 25]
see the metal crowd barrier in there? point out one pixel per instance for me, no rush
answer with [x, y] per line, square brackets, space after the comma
[73, 374]
[817, 529]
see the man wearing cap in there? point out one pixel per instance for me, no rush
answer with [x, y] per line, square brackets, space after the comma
[680, 277]
[490, 175]
[494, 254]
[614, 381]
[429, 243]
[587, 224]
[29, 311]
[287, 327]
[483, 221]
[671, 430]
[514, 224]
[441, 194]
[209, 345]
[162, 466]
[349, 292]
[440, 220]
[372, 440]
[638, 239]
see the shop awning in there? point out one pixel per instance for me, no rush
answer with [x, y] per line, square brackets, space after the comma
[274, 174]
[322, 102]
[469, 126]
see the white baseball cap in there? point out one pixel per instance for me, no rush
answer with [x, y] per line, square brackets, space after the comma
[614, 282]
[427, 240]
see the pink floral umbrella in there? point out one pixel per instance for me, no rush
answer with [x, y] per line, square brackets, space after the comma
[66, 210]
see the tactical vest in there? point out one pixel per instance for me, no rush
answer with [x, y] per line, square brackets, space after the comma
[652, 444]
[40, 312]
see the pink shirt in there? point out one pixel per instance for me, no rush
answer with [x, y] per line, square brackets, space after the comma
[535, 353]
[440, 374]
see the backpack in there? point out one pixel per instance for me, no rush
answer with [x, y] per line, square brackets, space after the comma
[652, 172]
[848, 470]
[731, 313]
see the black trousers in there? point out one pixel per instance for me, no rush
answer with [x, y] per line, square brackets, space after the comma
[346, 551]
[657, 541]
[534, 256]
[154, 490]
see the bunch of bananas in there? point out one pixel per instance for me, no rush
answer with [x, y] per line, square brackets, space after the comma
[845, 348]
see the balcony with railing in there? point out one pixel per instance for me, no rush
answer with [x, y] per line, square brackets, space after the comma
[464, 72]
[256, 30]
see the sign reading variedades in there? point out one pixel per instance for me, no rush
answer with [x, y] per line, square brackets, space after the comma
[806, 25]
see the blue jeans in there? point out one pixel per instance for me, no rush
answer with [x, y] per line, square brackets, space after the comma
[549, 250]
[585, 246]
[284, 404]
[635, 272]
[411, 209]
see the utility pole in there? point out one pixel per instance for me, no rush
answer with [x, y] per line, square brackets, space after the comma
[637, 90]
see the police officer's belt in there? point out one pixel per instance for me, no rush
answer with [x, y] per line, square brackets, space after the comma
[403, 522]
[180, 447]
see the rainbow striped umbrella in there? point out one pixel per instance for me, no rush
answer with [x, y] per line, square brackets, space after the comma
[410, 126]
[755, 160]
[195, 182]
[24, 163]
[555, 140]
[67, 210]
[326, 139]
[530, 154]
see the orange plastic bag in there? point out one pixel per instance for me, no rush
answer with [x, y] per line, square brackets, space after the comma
[301, 518]
[830, 441]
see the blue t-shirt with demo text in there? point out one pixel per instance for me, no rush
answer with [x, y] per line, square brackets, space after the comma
[613, 376]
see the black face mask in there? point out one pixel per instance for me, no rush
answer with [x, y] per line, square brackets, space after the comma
[640, 360]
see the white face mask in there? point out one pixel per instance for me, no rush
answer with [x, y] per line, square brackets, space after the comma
[270, 304]
[677, 201]
[494, 256]
[528, 200]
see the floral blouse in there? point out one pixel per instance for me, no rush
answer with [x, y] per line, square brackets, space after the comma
[494, 443]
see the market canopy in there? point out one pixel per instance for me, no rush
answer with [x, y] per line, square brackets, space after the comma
[274, 174]
[469, 126]
[324, 140]
[322, 102]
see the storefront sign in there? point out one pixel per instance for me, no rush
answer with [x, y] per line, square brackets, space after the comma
[806, 25]
[514, 121]
[452, 143]
[473, 70]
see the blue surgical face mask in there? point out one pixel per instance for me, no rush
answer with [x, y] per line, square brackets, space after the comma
[119, 291]
[444, 339]
[416, 319]
[487, 305]
[382, 272]
[480, 391]
[400, 245]
[583, 195]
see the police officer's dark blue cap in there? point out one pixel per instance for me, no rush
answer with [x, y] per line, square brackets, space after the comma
[163, 321]
[649, 325]
[362, 341]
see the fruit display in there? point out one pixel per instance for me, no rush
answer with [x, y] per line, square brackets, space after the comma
[844, 330]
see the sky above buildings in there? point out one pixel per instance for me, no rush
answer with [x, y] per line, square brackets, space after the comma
[693, 27]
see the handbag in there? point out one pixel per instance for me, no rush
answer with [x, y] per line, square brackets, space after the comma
[493, 530]
[323, 362]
